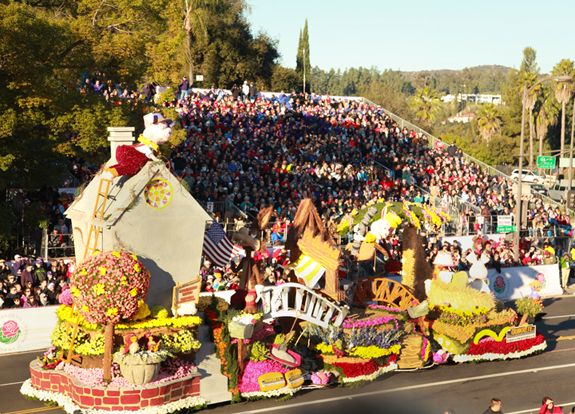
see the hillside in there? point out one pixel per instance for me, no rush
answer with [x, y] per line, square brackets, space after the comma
[481, 69]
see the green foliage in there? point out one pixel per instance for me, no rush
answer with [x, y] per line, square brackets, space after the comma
[284, 79]
[303, 65]
[425, 105]
[529, 306]
[182, 341]
[258, 352]
[488, 121]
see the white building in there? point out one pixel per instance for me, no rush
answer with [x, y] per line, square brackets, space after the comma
[476, 98]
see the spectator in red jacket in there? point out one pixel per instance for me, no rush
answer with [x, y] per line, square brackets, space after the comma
[549, 407]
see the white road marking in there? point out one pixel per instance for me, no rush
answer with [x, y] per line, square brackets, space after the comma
[558, 317]
[411, 387]
[536, 410]
[11, 383]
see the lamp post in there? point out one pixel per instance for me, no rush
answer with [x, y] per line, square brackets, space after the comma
[520, 178]
[304, 71]
[571, 147]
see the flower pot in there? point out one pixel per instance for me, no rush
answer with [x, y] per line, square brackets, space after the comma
[139, 370]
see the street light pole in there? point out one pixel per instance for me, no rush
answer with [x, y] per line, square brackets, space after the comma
[520, 181]
[517, 235]
[304, 71]
[571, 148]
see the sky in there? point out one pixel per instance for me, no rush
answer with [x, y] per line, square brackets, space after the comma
[414, 35]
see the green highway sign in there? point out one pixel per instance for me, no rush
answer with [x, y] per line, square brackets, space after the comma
[546, 162]
[506, 229]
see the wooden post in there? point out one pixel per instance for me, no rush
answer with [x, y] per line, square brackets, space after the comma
[241, 356]
[108, 348]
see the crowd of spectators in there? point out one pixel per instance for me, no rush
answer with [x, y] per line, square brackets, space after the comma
[272, 262]
[32, 282]
[258, 151]
[254, 151]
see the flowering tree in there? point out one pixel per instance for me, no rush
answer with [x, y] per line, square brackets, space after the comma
[107, 288]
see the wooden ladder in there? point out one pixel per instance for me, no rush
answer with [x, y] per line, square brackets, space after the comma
[71, 325]
[97, 216]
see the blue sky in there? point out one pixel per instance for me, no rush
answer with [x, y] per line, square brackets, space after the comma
[412, 35]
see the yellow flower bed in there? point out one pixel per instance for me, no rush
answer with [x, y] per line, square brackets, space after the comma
[65, 313]
[462, 313]
[461, 299]
[461, 333]
[364, 352]
[161, 322]
[372, 352]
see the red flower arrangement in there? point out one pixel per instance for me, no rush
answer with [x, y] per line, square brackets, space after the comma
[350, 370]
[490, 346]
[392, 266]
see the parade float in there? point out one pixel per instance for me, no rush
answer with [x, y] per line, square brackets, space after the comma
[116, 347]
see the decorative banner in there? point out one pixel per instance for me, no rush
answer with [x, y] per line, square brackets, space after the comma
[513, 282]
[158, 193]
[519, 333]
[26, 329]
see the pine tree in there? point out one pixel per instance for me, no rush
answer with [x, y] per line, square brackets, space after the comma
[302, 60]
[306, 60]
[299, 56]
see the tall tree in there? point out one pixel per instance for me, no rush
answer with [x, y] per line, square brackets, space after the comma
[303, 65]
[564, 92]
[299, 55]
[528, 75]
[195, 12]
[425, 105]
[546, 113]
[488, 121]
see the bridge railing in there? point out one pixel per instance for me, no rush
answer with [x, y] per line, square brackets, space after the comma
[306, 305]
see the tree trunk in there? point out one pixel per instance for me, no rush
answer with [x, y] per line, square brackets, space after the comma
[108, 349]
[191, 66]
[530, 140]
[562, 130]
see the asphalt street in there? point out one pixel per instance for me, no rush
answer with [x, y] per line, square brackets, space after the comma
[458, 388]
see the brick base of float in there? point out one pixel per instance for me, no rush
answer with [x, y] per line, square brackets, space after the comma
[114, 399]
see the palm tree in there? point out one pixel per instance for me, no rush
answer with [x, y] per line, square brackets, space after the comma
[527, 80]
[563, 92]
[546, 113]
[488, 121]
[195, 15]
[425, 104]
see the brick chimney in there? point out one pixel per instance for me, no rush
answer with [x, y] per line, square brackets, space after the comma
[119, 136]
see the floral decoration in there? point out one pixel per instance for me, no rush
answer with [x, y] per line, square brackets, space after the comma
[98, 295]
[68, 404]
[253, 370]
[490, 350]
[352, 323]
[320, 377]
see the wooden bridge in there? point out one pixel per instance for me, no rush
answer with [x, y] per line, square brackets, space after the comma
[298, 301]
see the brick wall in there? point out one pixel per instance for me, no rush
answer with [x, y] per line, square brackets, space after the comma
[114, 399]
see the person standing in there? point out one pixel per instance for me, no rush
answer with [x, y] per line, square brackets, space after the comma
[549, 407]
[494, 407]
[184, 88]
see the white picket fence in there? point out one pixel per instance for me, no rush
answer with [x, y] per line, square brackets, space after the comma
[307, 305]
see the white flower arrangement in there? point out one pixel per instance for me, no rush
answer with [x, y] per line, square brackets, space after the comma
[68, 404]
[268, 394]
[499, 357]
[187, 308]
[379, 372]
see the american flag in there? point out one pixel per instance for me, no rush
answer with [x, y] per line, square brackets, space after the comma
[218, 247]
